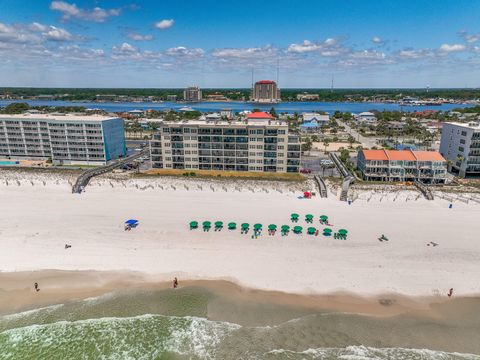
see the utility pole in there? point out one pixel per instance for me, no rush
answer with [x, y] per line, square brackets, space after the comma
[331, 89]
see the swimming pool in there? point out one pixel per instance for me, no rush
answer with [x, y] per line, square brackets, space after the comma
[6, 163]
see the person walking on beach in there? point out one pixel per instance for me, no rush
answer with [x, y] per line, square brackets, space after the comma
[450, 292]
[36, 287]
[175, 283]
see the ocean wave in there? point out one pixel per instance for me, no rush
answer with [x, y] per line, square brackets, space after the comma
[367, 353]
[140, 337]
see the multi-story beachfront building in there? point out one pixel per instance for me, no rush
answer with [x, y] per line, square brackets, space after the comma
[460, 144]
[192, 94]
[265, 91]
[65, 139]
[428, 167]
[259, 143]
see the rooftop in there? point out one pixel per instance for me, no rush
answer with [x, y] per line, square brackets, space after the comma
[259, 115]
[265, 82]
[225, 123]
[470, 125]
[58, 117]
[402, 155]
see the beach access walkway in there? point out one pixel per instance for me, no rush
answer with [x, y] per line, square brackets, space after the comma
[84, 178]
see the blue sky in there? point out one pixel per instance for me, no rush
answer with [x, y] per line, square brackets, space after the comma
[158, 43]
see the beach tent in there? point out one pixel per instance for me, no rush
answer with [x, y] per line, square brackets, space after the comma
[232, 226]
[131, 222]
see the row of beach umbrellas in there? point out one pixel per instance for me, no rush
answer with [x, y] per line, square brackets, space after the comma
[257, 227]
[308, 218]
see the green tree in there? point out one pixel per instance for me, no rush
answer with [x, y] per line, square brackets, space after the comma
[344, 156]
[16, 108]
[325, 144]
[273, 112]
[350, 140]
[307, 145]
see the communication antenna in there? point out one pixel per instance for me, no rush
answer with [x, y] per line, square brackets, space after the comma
[278, 71]
[331, 88]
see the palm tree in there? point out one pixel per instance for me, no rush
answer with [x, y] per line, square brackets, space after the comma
[326, 143]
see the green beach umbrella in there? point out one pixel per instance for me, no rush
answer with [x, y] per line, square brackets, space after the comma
[285, 228]
[272, 227]
[232, 225]
[324, 217]
[309, 216]
[257, 226]
[342, 232]
[193, 224]
[207, 224]
[327, 231]
[311, 230]
[245, 226]
[294, 216]
[297, 229]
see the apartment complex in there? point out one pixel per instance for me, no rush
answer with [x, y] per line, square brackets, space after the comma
[256, 144]
[192, 94]
[460, 144]
[428, 167]
[265, 91]
[65, 139]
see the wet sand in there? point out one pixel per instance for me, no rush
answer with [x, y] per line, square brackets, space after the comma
[268, 318]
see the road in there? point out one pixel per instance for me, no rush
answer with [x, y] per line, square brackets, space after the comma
[367, 142]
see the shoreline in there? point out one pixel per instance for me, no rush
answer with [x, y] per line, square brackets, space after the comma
[17, 293]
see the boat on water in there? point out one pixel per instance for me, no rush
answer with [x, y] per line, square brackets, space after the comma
[186, 108]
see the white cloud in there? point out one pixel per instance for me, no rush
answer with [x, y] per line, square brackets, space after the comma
[182, 51]
[138, 37]
[414, 54]
[449, 48]
[125, 48]
[17, 34]
[328, 48]
[470, 38]
[69, 11]
[164, 24]
[377, 40]
[245, 53]
[51, 32]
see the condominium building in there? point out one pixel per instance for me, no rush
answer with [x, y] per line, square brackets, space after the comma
[260, 144]
[428, 167]
[65, 139]
[265, 91]
[460, 145]
[192, 94]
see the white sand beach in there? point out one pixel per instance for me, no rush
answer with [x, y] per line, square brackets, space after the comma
[39, 215]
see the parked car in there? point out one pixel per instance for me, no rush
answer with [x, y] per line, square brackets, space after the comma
[305, 171]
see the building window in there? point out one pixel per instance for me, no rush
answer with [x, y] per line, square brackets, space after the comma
[462, 141]
[464, 133]
[461, 149]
